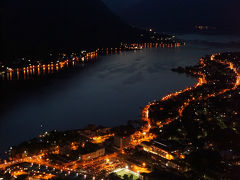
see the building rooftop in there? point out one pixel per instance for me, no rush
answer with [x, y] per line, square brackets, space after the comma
[88, 148]
[160, 145]
[123, 131]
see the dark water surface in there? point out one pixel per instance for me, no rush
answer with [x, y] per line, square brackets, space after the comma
[109, 93]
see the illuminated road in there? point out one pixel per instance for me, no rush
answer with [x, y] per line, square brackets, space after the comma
[201, 81]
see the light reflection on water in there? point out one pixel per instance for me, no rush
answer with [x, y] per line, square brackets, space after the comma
[109, 93]
[28, 72]
[32, 72]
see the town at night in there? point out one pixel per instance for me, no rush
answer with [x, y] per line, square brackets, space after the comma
[111, 90]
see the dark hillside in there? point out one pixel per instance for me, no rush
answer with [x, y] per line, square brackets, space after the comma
[33, 27]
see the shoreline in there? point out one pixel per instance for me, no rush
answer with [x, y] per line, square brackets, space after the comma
[141, 132]
[44, 80]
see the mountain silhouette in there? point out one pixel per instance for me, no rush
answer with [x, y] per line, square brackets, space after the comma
[33, 27]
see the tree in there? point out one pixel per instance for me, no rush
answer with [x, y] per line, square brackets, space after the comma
[131, 177]
[125, 177]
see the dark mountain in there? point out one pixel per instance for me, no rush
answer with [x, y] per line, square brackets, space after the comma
[33, 27]
[183, 15]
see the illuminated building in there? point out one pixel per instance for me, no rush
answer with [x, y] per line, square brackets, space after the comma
[123, 136]
[158, 149]
[84, 151]
[92, 131]
[92, 155]
[121, 142]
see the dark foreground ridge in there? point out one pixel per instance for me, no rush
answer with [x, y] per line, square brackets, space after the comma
[190, 134]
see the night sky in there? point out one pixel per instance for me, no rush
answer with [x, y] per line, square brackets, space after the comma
[178, 15]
